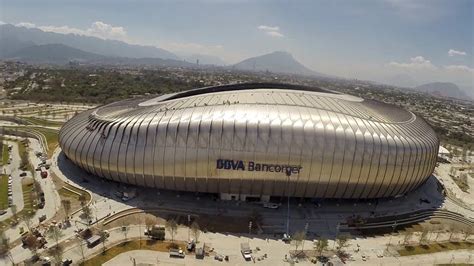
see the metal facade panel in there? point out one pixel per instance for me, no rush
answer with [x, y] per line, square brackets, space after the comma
[345, 147]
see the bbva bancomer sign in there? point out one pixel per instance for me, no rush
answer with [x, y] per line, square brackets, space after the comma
[252, 166]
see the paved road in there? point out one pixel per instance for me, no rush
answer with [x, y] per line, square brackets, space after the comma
[321, 219]
[12, 170]
[52, 199]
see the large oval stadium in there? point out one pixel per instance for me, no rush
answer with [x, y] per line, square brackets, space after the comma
[256, 140]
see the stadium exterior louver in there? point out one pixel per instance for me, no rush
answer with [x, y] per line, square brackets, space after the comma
[256, 140]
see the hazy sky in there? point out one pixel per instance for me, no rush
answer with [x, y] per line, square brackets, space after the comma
[385, 40]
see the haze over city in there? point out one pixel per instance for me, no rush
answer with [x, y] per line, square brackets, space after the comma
[399, 42]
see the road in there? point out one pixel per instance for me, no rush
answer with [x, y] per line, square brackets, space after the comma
[322, 219]
[12, 170]
[52, 199]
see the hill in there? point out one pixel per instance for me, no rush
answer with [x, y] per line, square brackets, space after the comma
[53, 54]
[15, 38]
[278, 62]
[443, 89]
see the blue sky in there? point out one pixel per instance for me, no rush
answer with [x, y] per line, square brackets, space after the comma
[366, 39]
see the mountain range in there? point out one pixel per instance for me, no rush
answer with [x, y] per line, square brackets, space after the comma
[443, 89]
[36, 46]
[15, 38]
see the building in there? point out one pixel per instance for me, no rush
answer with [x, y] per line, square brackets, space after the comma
[256, 140]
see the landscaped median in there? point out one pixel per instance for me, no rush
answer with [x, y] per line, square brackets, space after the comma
[30, 199]
[112, 252]
[3, 192]
[4, 150]
[435, 247]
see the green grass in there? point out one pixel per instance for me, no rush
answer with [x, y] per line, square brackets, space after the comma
[42, 122]
[4, 154]
[28, 209]
[3, 192]
[432, 248]
[51, 136]
[23, 152]
[128, 246]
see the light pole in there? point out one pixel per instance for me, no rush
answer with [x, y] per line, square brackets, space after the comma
[189, 228]
[394, 225]
[250, 230]
[305, 232]
[288, 173]
[337, 233]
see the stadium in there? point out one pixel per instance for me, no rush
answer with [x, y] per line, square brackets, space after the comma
[256, 140]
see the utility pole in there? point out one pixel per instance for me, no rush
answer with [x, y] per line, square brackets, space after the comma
[250, 230]
[394, 225]
[306, 226]
[288, 173]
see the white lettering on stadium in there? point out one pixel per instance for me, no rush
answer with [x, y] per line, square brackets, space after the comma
[257, 167]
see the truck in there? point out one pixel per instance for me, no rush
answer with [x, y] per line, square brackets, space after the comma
[176, 253]
[129, 195]
[246, 251]
[156, 232]
[93, 241]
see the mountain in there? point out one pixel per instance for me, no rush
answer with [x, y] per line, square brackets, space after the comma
[278, 62]
[443, 89]
[53, 54]
[204, 59]
[15, 38]
[61, 54]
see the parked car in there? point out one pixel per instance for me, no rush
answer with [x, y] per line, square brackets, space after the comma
[66, 262]
[270, 205]
[23, 174]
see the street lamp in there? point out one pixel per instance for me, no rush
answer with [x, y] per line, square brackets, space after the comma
[288, 173]
[394, 225]
[337, 233]
[250, 230]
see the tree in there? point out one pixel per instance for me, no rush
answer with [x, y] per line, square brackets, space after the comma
[150, 222]
[172, 227]
[424, 237]
[67, 207]
[196, 231]
[342, 241]
[298, 239]
[255, 217]
[82, 199]
[27, 220]
[103, 238]
[407, 238]
[54, 233]
[86, 212]
[5, 248]
[82, 245]
[125, 230]
[57, 253]
[321, 245]
[32, 243]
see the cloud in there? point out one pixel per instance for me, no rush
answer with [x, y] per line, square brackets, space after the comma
[26, 25]
[460, 68]
[97, 29]
[273, 31]
[453, 52]
[268, 28]
[275, 34]
[2, 23]
[417, 62]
